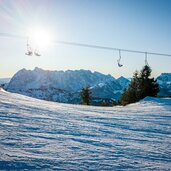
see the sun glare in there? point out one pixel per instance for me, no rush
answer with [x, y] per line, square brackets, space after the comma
[39, 38]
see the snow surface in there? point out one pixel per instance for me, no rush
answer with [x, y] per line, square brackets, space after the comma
[36, 134]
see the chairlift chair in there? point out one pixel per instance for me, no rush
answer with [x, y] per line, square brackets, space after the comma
[119, 64]
[37, 53]
[29, 50]
[29, 53]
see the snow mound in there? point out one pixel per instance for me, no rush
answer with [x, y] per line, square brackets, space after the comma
[42, 135]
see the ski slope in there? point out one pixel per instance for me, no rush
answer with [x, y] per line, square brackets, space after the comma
[36, 134]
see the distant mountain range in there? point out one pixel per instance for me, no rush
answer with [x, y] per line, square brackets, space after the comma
[65, 86]
[4, 80]
[164, 80]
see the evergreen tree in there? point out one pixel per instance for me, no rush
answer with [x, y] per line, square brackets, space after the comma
[86, 96]
[140, 87]
[148, 86]
[130, 95]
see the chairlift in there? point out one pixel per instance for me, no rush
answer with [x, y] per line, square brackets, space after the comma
[36, 53]
[119, 64]
[29, 53]
[29, 50]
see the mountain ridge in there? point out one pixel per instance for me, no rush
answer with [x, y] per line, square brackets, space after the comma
[65, 86]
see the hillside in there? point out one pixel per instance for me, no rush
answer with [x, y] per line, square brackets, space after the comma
[36, 134]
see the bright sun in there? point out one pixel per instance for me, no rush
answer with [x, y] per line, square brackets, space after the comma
[39, 38]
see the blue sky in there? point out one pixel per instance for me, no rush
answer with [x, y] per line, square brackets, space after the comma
[132, 24]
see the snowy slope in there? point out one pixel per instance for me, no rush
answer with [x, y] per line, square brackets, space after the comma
[36, 134]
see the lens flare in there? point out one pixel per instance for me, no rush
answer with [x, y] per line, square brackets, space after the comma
[39, 38]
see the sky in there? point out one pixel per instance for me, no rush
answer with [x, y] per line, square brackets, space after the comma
[131, 24]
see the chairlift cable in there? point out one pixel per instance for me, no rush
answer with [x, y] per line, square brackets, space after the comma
[89, 45]
[110, 48]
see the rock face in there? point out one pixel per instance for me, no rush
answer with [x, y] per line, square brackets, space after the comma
[65, 86]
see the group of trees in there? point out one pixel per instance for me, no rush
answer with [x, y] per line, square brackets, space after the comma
[140, 86]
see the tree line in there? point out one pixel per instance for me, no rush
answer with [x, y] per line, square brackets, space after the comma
[140, 87]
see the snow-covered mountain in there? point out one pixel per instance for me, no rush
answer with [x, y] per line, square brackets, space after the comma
[68, 80]
[123, 81]
[42, 135]
[4, 80]
[65, 86]
[164, 80]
